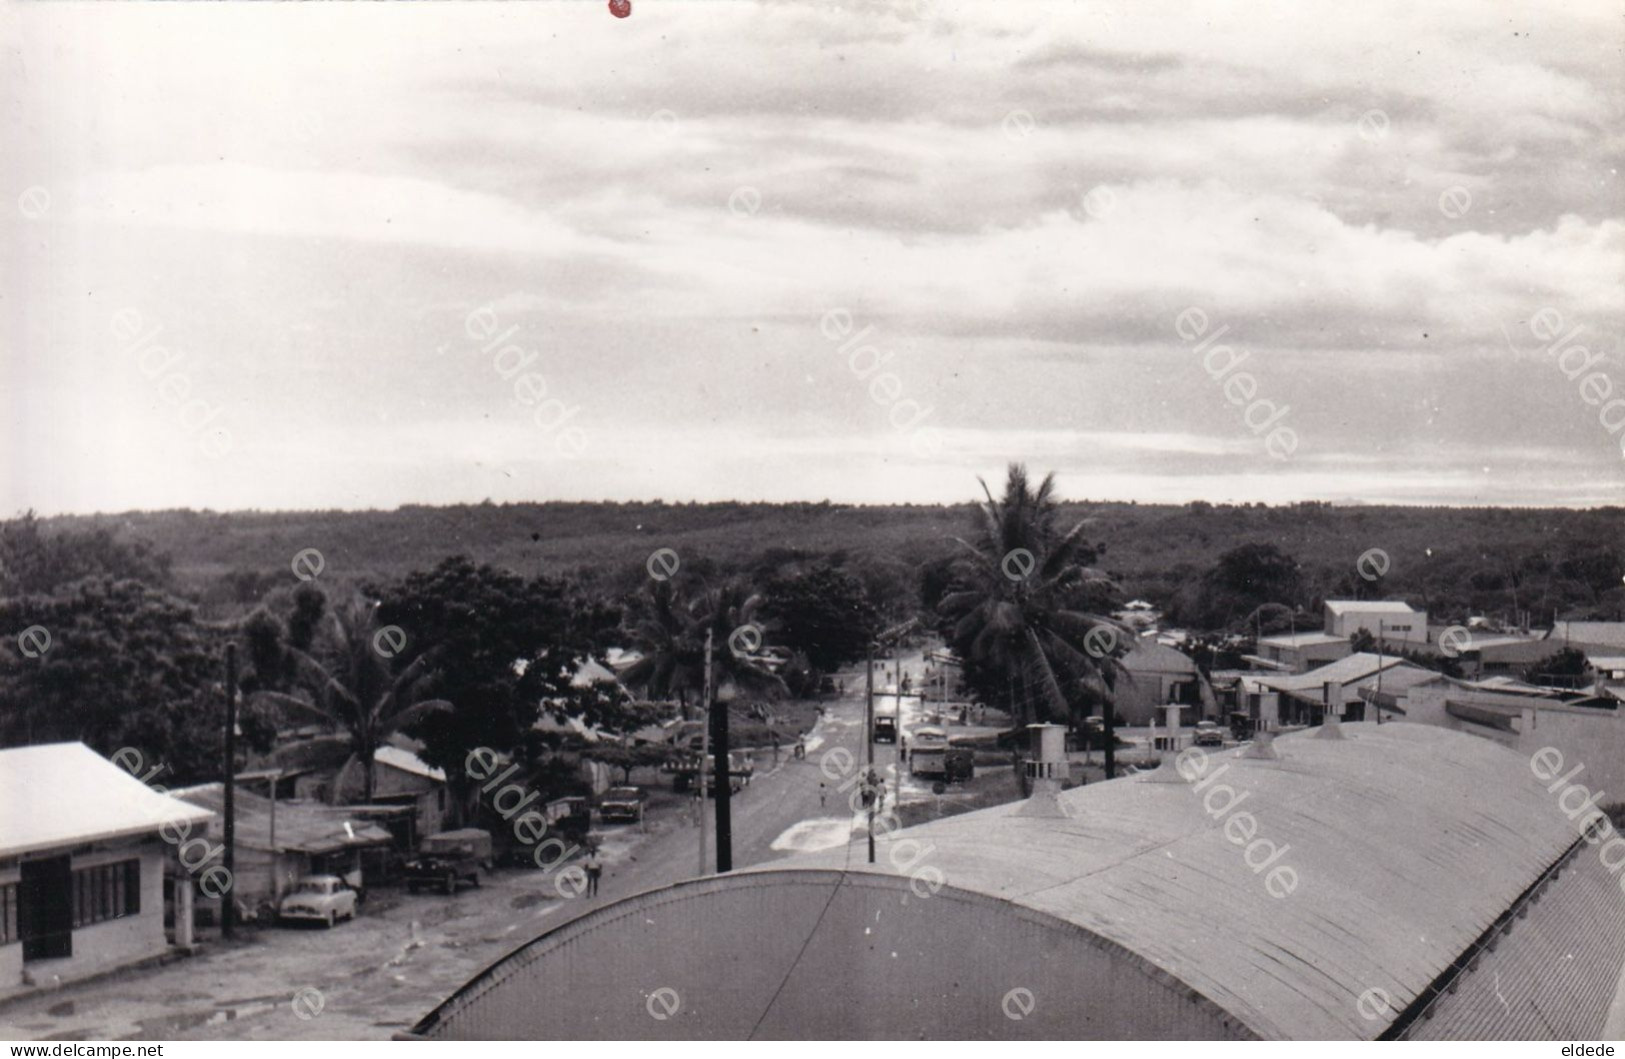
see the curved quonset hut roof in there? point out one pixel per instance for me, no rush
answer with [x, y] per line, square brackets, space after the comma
[1147, 910]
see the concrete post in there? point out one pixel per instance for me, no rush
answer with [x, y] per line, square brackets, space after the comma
[183, 912]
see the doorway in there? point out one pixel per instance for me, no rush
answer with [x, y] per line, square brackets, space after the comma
[45, 908]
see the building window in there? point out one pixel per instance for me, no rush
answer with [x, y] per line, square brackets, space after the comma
[8, 913]
[107, 891]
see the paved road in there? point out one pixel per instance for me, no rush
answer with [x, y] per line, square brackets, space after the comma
[366, 979]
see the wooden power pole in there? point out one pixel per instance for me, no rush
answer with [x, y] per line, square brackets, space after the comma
[719, 740]
[705, 753]
[228, 900]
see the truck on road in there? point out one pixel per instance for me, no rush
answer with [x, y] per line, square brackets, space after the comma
[449, 858]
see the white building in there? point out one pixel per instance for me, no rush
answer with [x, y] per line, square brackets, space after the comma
[1305, 650]
[1390, 620]
[84, 847]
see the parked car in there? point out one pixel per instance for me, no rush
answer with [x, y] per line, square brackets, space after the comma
[449, 858]
[318, 899]
[622, 803]
[1208, 733]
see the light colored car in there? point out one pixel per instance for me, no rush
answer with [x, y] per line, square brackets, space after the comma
[319, 899]
[1208, 733]
[622, 803]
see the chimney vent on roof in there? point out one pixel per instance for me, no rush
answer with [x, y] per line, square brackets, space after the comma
[1333, 697]
[1168, 770]
[1262, 748]
[1047, 769]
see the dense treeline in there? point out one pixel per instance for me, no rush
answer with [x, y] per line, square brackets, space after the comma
[130, 614]
[1488, 560]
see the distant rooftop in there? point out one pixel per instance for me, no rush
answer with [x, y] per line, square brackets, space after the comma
[1303, 639]
[1597, 633]
[1369, 606]
[1344, 671]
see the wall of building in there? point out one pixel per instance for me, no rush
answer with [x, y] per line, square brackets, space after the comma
[110, 944]
[1593, 738]
[845, 956]
[1396, 628]
[11, 953]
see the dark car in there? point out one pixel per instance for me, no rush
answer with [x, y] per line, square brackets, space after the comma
[885, 729]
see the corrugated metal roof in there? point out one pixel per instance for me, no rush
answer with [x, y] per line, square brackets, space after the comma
[300, 826]
[1597, 633]
[1408, 842]
[406, 761]
[67, 794]
[1552, 977]
[1148, 656]
[1344, 671]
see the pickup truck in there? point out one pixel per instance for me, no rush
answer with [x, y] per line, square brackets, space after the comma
[449, 858]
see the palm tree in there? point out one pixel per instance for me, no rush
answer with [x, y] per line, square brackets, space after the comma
[1016, 608]
[353, 686]
[669, 631]
[672, 665]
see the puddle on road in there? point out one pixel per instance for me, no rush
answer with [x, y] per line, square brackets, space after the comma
[809, 836]
[173, 1025]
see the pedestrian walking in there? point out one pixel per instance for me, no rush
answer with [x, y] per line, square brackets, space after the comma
[823, 792]
[594, 870]
[801, 746]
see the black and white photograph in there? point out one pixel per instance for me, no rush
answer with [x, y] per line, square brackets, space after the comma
[803, 520]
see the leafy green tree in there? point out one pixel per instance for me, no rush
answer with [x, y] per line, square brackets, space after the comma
[824, 612]
[1013, 614]
[1245, 578]
[503, 647]
[627, 758]
[1567, 666]
[127, 665]
[35, 561]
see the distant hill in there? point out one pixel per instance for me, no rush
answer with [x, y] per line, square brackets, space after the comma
[1480, 557]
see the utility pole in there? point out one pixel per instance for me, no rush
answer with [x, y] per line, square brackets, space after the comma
[724, 792]
[1378, 699]
[869, 737]
[228, 901]
[705, 751]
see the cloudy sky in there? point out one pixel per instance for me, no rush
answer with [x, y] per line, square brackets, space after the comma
[313, 255]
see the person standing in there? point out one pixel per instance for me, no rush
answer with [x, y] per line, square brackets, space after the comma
[594, 869]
